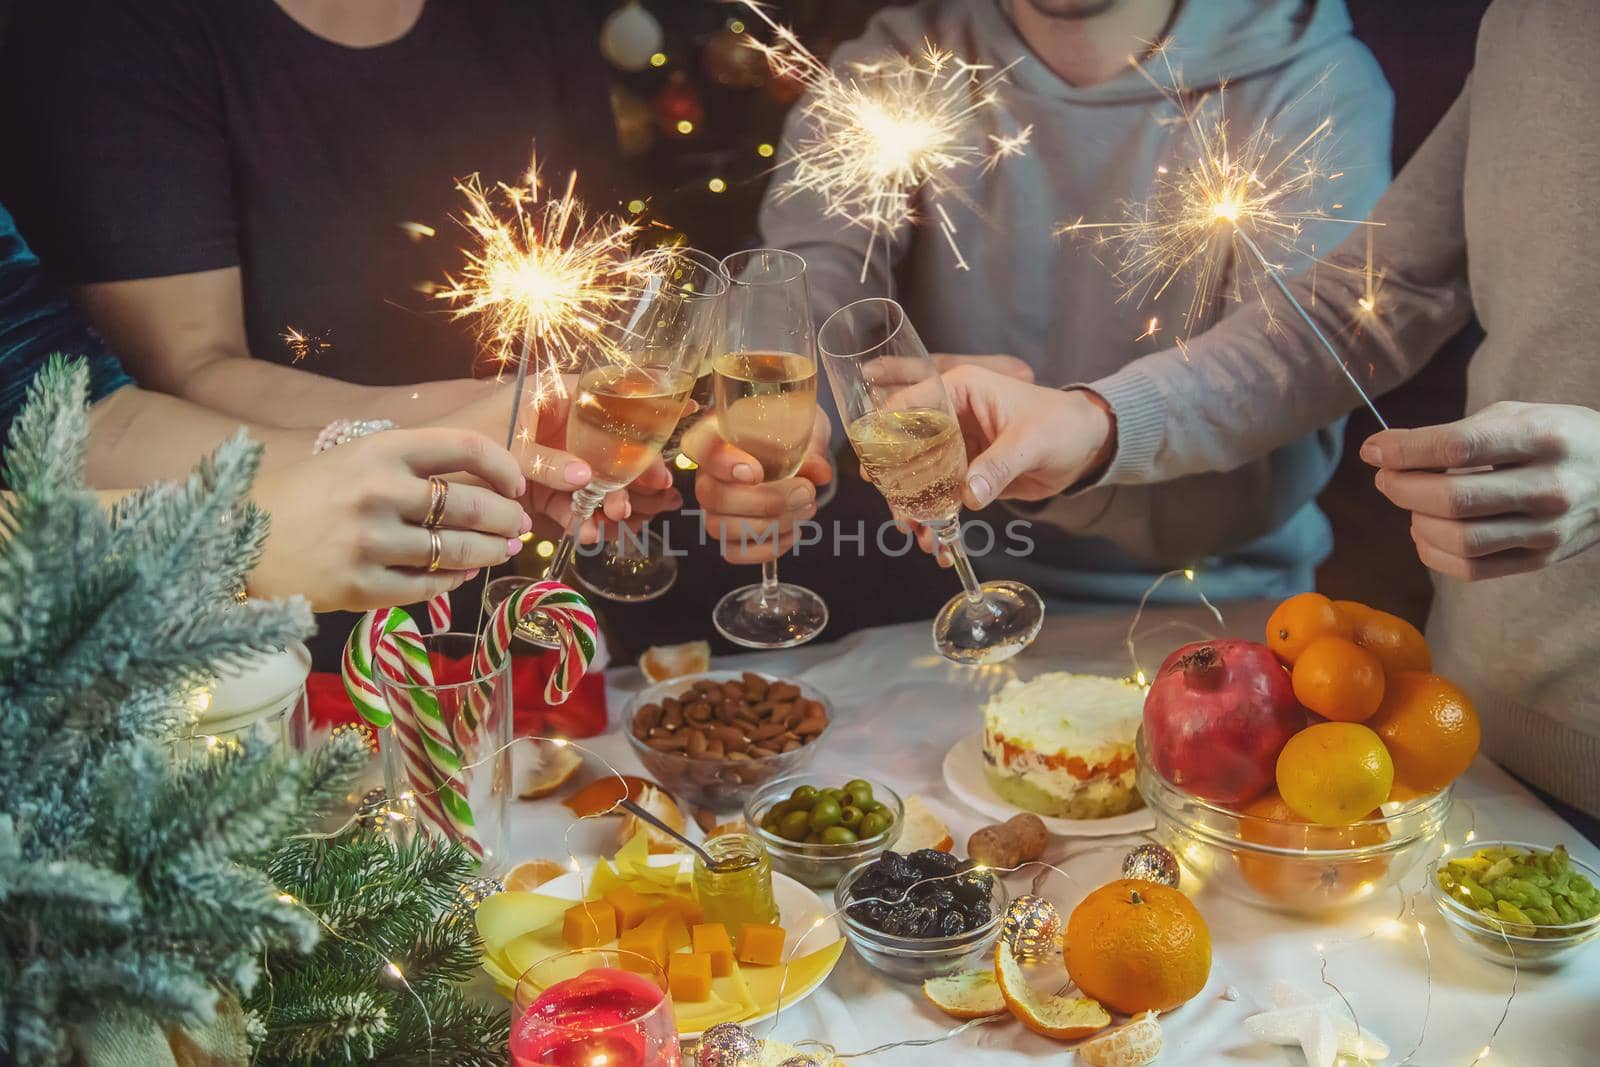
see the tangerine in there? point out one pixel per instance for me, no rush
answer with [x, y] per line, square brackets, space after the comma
[1338, 680]
[1351, 613]
[1311, 881]
[1431, 730]
[1138, 946]
[1399, 645]
[1334, 772]
[1300, 620]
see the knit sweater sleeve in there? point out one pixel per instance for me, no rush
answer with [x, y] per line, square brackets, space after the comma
[1260, 378]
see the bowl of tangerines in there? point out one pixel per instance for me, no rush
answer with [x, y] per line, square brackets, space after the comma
[1308, 772]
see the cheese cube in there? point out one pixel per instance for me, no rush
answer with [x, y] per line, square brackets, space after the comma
[649, 941]
[672, 925]
[761, 945]
[689, 977]
[711, 939]
[687, 907]
[631, 907]
[589, 924]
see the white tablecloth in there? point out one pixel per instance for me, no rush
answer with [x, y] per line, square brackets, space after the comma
[899, 708]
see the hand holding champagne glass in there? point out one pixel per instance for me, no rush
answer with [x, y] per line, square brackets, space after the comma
[764, 380]
[633, 391]
[638, 568]
[904, 430]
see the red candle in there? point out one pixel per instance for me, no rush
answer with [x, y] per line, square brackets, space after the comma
[602, 1018]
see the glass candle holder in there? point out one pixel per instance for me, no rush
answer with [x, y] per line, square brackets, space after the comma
[447, 754]
[738, 889]
[594, 1007]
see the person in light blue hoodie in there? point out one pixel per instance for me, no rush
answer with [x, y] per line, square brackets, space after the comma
[1041, 305]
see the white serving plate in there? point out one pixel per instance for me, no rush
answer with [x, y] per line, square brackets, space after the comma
[964, 775]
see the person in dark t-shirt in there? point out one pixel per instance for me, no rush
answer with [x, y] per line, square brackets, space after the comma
[207, 175]
[210, 175]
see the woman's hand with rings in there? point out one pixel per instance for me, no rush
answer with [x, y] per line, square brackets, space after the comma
[374, 523]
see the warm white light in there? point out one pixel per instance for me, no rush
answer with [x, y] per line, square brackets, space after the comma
[394, 970]
[685, 127]
[659, 59]
[684, 463]
[765, 150]
[636, 206]
[716, 185]
[545, 549]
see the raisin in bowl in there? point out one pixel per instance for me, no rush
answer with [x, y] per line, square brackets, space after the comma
[921, 916]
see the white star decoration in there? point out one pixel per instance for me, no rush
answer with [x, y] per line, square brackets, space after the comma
[1322, 1027]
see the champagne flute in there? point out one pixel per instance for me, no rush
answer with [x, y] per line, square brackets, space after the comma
[764, 378]
[902, 426]
[631, 392]
[636, 567]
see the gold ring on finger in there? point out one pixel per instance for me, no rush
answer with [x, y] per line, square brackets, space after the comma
[435, 549]
[438, 490]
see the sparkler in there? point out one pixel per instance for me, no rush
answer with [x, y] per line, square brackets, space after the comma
[305, 345]
[887, 131]
[540, 279]
[1243, 194]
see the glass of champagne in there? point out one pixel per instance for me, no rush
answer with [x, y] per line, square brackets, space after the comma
[632, 391]
[764, 377]
[902, 426]
[636, 566]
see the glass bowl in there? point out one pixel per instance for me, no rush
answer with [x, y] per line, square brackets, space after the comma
[915, 959]
[721, 785]
[819, 866]
[1298, 868]
[1511, 943]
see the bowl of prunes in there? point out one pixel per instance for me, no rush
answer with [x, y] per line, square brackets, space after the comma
[921, 915]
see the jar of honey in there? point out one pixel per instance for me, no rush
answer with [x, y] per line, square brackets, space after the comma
[737, 888]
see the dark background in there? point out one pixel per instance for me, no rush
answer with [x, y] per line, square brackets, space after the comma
[703, 186]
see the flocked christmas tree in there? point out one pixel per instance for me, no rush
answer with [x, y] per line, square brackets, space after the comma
[137, 901]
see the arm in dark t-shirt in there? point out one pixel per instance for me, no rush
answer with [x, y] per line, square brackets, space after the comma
[119, 166]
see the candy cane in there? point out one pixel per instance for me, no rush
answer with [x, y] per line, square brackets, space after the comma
[439, 613]
[389, 640]
[575, 625]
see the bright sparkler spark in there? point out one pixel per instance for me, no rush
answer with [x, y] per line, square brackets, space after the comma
[889, 131]
[1248, 197]
[1252, 187]
[542, 278]
[305, 345]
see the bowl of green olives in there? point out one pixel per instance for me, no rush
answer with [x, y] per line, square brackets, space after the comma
[817, 829]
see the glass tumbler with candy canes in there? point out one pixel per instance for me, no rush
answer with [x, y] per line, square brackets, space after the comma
[442, 705]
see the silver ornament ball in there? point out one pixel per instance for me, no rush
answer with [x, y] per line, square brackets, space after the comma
[373, 810]
[476, 892]
[1032, 927]
[1152, 863]
[727, 1045]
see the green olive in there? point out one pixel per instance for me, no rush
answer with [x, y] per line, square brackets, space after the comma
[780, 809]
[850, 816]
[803, 794]
[832, 794]
[872, 806]
[839, 835]
[813, 839]
[872, 824]
[859, 788]
[795, 825]
[772, 824]
[825, 813]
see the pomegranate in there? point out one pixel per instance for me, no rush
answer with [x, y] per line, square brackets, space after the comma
[1216, 718]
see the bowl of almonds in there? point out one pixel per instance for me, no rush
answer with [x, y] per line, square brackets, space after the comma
[714, 738]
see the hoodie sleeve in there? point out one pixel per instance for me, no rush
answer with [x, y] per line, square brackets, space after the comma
[1260, 378]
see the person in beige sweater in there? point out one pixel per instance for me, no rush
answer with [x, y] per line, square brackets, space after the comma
[1498, 214]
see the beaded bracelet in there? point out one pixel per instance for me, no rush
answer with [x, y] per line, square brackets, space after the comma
[343, 431]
